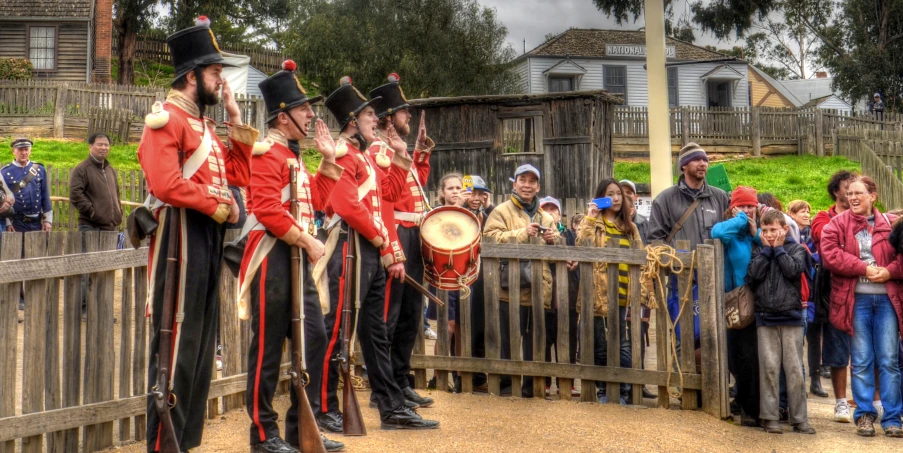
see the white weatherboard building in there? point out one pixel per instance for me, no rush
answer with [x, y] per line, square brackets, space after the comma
[614, 60]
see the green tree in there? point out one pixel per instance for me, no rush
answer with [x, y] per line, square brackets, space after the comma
[439, 47]
[129, 18]
[624, 11]
[862, 47]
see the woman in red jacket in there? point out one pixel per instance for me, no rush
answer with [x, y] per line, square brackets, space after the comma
[866, 303]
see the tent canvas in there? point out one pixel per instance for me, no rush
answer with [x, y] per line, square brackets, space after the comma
[237, 76]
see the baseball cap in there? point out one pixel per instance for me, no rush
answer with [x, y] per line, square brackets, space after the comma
[479, 184]
[525, 168]
[629, 183]
[550, 200]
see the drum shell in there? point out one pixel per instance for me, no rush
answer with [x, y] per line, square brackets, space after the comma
[448, 268]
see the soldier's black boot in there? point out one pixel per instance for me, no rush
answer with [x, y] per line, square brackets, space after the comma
[412, 396]
[274, 445]
[404, 418]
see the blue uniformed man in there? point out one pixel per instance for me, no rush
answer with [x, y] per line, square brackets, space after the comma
[28, 183]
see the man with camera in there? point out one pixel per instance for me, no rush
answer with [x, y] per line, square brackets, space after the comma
[517, 221]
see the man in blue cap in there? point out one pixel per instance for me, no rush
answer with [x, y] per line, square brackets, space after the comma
[517, 221]
[28, 185]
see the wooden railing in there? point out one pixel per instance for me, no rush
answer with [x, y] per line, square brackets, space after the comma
[711, 379]
[70, 375]
[881, 155]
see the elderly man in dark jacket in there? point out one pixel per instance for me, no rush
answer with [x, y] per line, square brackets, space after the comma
[94, 189]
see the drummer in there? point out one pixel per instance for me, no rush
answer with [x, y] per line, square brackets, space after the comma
[517, 221]
[451, 193]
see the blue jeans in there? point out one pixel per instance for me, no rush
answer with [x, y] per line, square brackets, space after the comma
[875, 344]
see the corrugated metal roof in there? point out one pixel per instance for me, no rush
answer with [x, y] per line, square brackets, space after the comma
[808, 89]
[68, 9]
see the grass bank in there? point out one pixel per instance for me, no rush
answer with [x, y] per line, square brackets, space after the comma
[787, 177]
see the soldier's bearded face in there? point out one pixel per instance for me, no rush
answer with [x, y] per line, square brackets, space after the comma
[401, 120]
[209, 84]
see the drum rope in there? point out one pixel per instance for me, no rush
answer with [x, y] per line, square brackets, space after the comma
[651, 283]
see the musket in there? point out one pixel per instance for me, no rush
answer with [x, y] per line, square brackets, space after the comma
[420, 289]
[308, 432]
[166, 435]
[353, 421]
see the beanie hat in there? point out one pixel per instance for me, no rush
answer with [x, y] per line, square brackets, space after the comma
[691, 152]
[743, 196]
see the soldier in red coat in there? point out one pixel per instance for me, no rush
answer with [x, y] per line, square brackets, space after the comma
[265, 273]
[404, 305]
[188, 168]
[355, 208]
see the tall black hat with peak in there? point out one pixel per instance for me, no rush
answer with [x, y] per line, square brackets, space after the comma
[393, 98]
[282, 91]
[347, 102]
[193, 47]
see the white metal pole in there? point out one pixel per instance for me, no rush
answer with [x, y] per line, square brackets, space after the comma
[658, 112]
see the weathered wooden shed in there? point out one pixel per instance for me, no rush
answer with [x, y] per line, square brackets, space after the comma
[567, 136]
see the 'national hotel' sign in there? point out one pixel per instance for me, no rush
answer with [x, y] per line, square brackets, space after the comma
[634, 50]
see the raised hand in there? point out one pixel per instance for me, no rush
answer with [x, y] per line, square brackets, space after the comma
[230, 105]
[325, 143]
[421, 131]
[398, 145]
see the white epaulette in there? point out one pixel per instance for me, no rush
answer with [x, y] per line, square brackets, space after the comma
[158, 117]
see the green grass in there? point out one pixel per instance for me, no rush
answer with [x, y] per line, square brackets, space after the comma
[787, 177]
[68, 153]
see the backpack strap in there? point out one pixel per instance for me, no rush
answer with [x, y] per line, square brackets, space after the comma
[682, 220]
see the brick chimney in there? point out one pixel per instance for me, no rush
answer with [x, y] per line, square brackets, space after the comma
[103, 41]
[821, 75]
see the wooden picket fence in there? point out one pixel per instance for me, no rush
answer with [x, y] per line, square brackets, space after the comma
[881, 154]
[84, 383]
[711, 379]
[116, 123]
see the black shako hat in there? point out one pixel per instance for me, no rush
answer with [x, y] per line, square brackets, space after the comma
[393, 98]
[282, 91]
[346, 102]
[193, 47]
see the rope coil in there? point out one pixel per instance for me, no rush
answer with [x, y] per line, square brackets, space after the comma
[651, 285]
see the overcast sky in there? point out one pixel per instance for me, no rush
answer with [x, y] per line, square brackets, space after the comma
[533, 19]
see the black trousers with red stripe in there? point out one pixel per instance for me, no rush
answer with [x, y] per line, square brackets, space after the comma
[405, 307]
[195, 337]
[271, 305]
[371, 330]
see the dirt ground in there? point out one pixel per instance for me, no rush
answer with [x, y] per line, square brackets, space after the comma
[481, 423]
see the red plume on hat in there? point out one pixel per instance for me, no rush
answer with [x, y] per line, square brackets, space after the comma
[202, 20]
[394, 77]
[345, 81]
[289, 65]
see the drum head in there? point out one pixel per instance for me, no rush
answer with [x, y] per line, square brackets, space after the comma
[449, 229]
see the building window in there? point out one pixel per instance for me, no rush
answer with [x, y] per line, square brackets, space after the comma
[518, 136]
[560, 84]
[673, 98]
[616, 80]
[42, 47]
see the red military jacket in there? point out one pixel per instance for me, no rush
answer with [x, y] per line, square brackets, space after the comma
[411, 199]
[179, 126]
[358, 196]
[271, 176]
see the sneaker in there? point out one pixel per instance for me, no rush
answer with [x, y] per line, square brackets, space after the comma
[574, 392]
[430, 334]
[893, 431]
[865, 426]
[773, 427]
[604, 400]
[803, 428]
[842, 413]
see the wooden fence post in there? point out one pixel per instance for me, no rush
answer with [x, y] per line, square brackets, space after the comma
[587, 325]
[613, 332]
[820, 132]
[34, 350]
[10, 249]
[260, 116]
[708, 322]
[491, 302]
[684, 126]
[756, 131]
[59, 110]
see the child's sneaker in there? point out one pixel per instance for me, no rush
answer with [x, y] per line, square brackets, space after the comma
[842, 413]
[430, 334]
